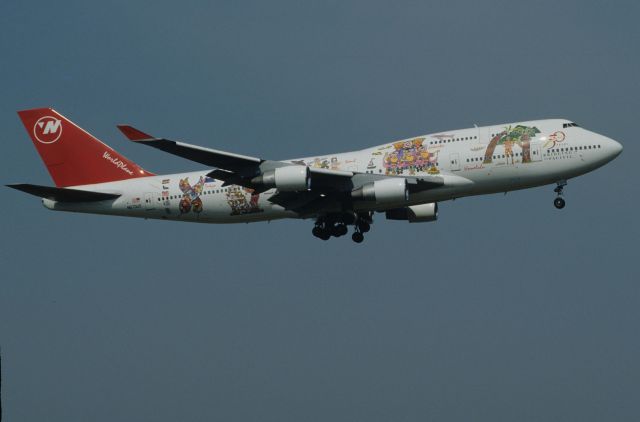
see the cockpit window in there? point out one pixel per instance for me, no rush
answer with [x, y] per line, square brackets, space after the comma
[566, 125]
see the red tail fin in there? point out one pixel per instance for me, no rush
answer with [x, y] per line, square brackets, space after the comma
[72, 156]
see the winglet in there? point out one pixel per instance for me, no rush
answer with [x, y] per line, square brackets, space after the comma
[133, 134]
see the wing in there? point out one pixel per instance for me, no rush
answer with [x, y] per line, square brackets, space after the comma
[207, 156]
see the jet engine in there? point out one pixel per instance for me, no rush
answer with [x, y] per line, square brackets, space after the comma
[285, 179]
[415, 213]
[383, 191]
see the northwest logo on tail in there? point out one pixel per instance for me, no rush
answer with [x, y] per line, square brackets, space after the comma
[47, 129]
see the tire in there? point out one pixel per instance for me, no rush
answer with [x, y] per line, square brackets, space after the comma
[357, 237]
[364, 227]
[559, 203]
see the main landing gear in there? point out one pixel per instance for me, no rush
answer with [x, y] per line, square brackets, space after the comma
[336, 225]
[559, 202]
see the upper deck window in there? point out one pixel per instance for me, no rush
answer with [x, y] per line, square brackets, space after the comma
[566, 125]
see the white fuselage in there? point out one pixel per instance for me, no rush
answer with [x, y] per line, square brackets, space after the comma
[472, 161]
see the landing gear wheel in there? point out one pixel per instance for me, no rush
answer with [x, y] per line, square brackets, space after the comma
[364, 226]
[559, 203]
[340, 230]
[320, 233]
[357, 237]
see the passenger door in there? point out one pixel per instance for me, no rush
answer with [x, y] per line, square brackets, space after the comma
[454, 159]
[536, 151]
[149, 199]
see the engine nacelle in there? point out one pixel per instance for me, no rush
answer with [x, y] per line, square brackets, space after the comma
[383, 191]
[415, 213]
[285, 179]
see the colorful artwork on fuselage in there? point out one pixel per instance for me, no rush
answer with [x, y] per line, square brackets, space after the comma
[554, 139]
[321, 163]
[190, 200]
[243, 200]
[372, 165]
[519, 135]
[410, 157]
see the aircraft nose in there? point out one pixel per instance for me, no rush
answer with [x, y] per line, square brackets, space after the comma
[613, 147]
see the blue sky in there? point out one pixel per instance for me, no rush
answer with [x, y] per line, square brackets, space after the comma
[504, 309]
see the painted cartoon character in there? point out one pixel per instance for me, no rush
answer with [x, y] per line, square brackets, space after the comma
[191, 195]
[393, 164]
[239, 204]
[321, 163]
[197, 205]
[255, 197]
[185, 205]
[335, 165]
[409, 162]
[411, 156]
[198, 187]
[184, 185]
[425, 157]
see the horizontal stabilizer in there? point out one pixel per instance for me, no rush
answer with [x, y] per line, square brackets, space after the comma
[64, 194]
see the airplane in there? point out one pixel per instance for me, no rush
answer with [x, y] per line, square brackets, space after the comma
[403, 179]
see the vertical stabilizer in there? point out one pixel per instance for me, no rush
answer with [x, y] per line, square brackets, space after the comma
[72, 155]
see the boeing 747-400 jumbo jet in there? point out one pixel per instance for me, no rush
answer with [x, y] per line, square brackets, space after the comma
[404, 179]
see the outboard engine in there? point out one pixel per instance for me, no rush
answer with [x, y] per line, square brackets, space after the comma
[415, 213]
[285, 179]
[383, 191]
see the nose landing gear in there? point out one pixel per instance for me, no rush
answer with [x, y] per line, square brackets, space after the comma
[559, 202]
